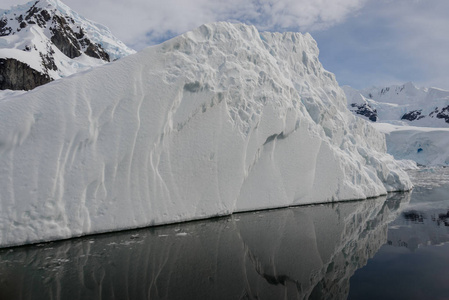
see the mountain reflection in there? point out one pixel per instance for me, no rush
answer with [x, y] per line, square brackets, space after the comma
[293, 253]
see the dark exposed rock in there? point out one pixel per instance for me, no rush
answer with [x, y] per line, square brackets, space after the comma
[70, 42]
[384, 91]
[32, 11]
[365, 110]
[96, 51]
[15, 75]
[413, 115]
[435, 111]
[444, 114]
[64, 39]
[80, 36]
[4, 29]
[45, 15]
[49, 62]
[65, 35]
[64, 44]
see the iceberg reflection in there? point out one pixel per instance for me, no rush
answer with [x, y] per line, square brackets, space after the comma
[292, 253]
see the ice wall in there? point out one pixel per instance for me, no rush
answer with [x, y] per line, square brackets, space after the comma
[218, 120]
[425, 145]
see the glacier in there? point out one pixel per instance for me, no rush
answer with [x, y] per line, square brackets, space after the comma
[414, 120]
[221, 119]
[426, 146]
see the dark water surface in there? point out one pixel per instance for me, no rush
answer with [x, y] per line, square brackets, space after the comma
[372, 249]
[414, 263]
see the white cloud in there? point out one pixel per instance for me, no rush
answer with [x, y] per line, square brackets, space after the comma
[142, 22]
[394, 39]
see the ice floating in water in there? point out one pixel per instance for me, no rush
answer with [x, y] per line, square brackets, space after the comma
[218, 120]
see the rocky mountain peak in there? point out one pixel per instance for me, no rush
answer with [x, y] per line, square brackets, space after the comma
[49, 40]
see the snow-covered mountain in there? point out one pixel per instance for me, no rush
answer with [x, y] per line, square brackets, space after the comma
[218, 120]
[401, 104]
[45, 40]
[415, 120]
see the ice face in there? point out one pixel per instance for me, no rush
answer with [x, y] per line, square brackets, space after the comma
[424, 145]
[218, 120]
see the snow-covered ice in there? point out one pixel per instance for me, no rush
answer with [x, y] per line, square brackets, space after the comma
[219, 120]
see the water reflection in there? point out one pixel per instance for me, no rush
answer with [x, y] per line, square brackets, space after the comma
[424, 221]
[414, 264]
[294, 253]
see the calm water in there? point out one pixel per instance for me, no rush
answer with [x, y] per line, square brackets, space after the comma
[393, 248]
[414, 262]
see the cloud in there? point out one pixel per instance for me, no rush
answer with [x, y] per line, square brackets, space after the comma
[143, 22]
[375, 40]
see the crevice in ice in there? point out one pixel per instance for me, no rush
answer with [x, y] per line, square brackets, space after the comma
[276, 136]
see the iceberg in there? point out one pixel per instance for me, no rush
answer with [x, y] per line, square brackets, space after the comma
[219, 120]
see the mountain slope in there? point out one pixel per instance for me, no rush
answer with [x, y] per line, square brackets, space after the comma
[218, 120]
[401, 104]
[45, 40]
[415, 120]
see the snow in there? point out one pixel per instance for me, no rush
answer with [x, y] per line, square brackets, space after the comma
[219, 120]
[37, 40]
[97, 33]
[6, 94]
[427, 146]
[424, 140]
[393, 102]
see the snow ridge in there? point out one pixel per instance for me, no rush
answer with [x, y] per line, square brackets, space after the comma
[218, 120]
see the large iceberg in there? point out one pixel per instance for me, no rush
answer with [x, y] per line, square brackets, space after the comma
[219, 120]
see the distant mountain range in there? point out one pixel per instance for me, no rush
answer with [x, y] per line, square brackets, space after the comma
[45, 40]
[414, 120]
[401, 105]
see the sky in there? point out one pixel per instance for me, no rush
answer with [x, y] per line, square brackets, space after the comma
[364, 42]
